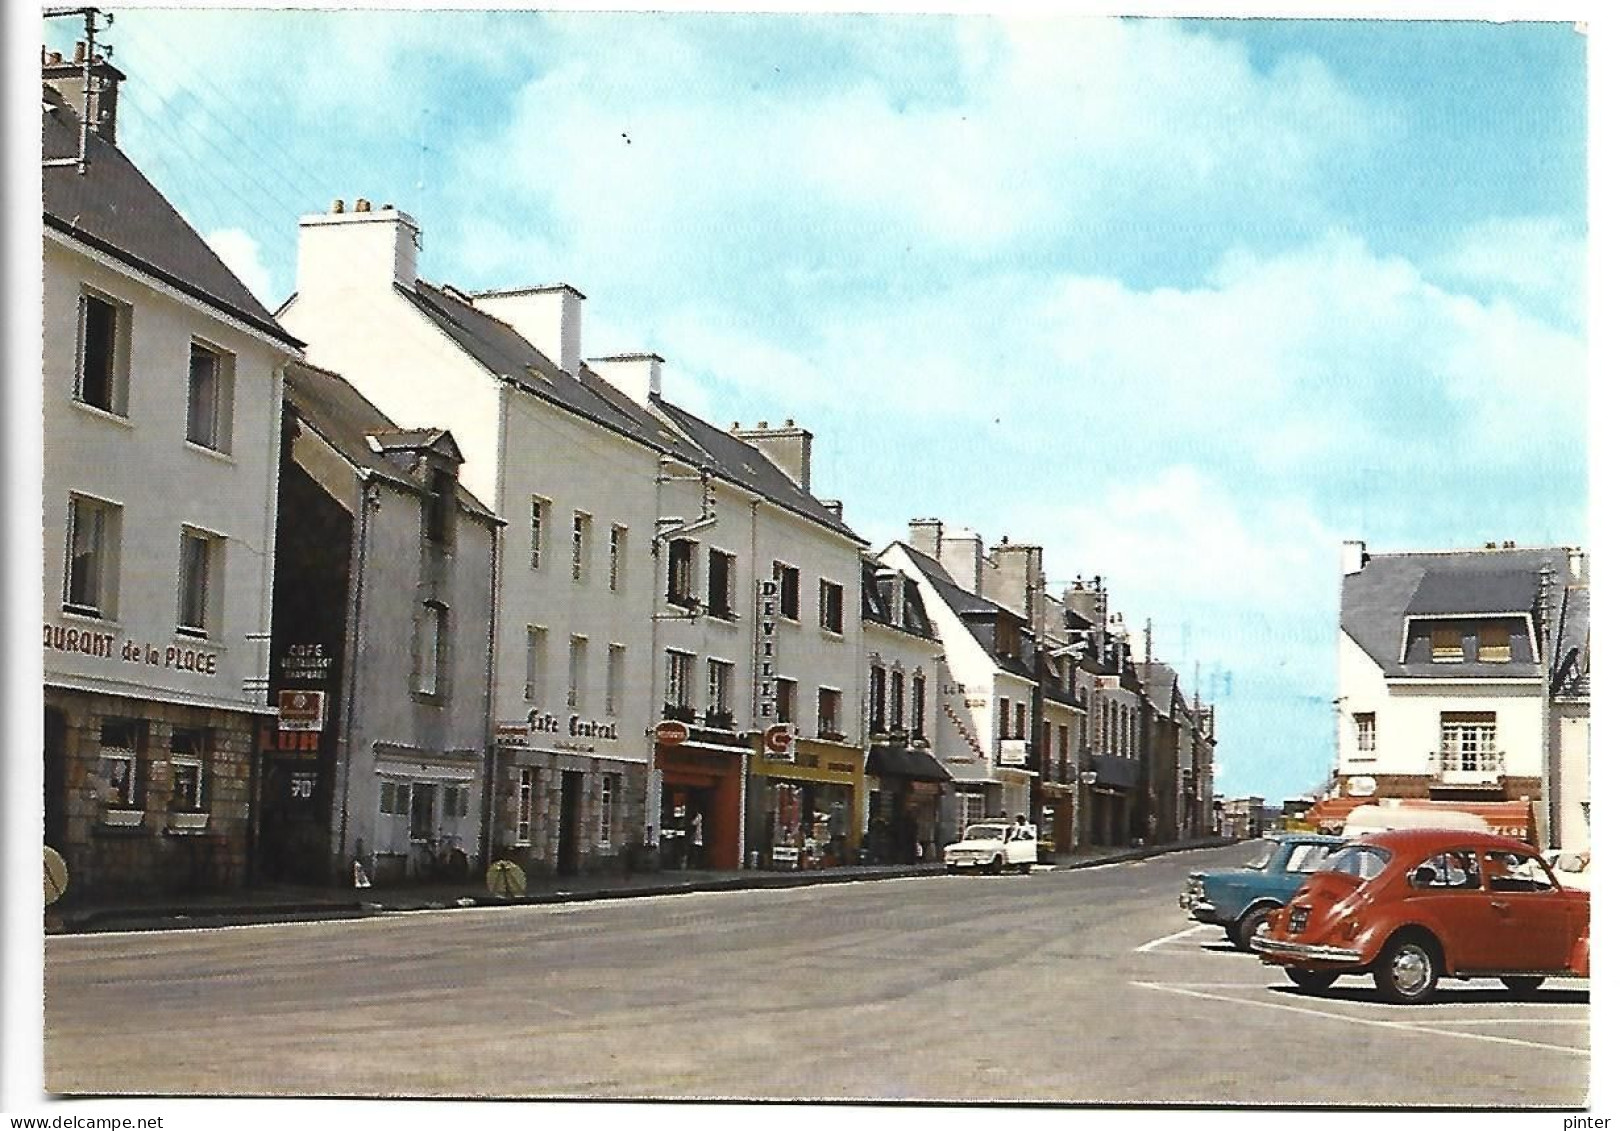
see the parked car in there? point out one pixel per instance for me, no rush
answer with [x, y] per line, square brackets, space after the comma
[1570, 868]
[1239, 899]
[1414, 905]
[991, 846]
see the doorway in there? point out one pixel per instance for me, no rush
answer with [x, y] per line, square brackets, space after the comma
[573, 790]
[56, 823]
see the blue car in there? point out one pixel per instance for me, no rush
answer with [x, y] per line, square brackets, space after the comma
[1239, 899]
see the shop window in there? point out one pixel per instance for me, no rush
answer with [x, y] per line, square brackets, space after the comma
[525, 807]
[188, 754]
[119, 764]
[608, 816]
[208, 398]
[102, 380]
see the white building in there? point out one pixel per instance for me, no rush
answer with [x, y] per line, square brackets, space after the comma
[162, 393]
[1446, 681]
[384, 607]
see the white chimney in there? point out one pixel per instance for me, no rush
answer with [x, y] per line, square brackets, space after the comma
[549, 317]
[926, 535]
[360, 249]
[788, 447]
[639, 376]
[1352, 557]
[962, 555]
[1577, 564]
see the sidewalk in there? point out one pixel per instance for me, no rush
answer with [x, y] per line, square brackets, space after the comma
[276, 903]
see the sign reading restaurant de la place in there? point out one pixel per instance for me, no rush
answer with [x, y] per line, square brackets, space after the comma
[112, 646]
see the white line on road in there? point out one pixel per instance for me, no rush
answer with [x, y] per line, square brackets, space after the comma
[1156, 943]
[1402, 1025]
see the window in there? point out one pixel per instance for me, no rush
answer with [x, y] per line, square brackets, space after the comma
[787, 700]
[442, 508]
[879, 683]
[424, 799]
[972, 810]
[787, 578]
[1516, 871]
[897, 694]
[1063, 744]
[457, 801]
[609, 812]
[1366, 732]
[199, 582]
[208, 399]
[1458, 869]
[722, 572]
[617, 539]
[90, 585]
[832, 606]
[1020, 719]
[578, 647]
[582, 545]
[1006, 633]
[525, 806]
[102, 380]
[431, 622]
[188, 751]
[1307, 857]
[1004, 721]
[1445, 642]
[1468, 742]
[615, 679]
[534, 671]
[829, 713]
[680, 571]
[720, 675]
[539, 530]
[919, 687]
[678, 686]
[1495, 644]
[120, 761]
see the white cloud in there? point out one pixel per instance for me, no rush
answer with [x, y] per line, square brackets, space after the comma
[1538, 260]
[241, 254]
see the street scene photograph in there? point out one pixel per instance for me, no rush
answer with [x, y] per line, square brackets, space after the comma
[988, 563]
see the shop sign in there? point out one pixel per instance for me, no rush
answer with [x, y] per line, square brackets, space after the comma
[1014, 752]
[671, 732]
[544, 722]
[300, 710]
[302, 744]
[511, 734]
[778, 742]
[305, 663]
[1108, 683]
[106, 646]
[765, 638]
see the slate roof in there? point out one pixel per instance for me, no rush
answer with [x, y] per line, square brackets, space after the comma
[1376, 601]
[1159, 684]
[114, 209]
[1572, 674]
[876, 603]
[978, 615]
[336, 411]
[507, 354]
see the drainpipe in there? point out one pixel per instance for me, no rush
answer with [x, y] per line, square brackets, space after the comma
[351, 649]
[486, 831]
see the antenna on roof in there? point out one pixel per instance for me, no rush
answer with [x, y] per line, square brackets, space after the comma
[86, 56]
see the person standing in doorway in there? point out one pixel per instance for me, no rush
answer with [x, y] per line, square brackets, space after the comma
[696, 840]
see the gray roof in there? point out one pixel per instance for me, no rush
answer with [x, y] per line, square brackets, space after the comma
[978, 615]
[1572, 674]
[336, 411]
[877, 602]
[1159, 684]
[114, 209]
[1376, 601]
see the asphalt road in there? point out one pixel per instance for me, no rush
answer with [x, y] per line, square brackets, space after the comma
[1085, 987]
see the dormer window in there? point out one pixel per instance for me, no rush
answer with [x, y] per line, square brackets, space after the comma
[1445, 644]
[1495, 646]
[1006, 637]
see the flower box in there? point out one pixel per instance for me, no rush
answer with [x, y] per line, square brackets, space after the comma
[123, 818]
[188, 822]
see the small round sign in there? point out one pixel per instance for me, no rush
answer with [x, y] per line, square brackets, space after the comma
[56, 875]
[506, 879]
[778, 738]
[671, 732]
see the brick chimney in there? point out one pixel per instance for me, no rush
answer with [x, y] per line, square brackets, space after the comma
[549, 317]
[66, 77]
[788, 447]
[357, 248]
[638, 376]
[926, 536]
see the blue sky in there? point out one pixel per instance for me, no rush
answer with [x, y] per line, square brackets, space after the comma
[1187, 302]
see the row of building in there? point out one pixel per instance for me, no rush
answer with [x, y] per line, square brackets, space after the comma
[395, 580]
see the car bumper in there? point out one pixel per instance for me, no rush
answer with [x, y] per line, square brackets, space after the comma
[1273, 949]
[1199, 909]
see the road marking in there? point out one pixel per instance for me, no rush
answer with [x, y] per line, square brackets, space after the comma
[1405, 1026]
[1156, 943]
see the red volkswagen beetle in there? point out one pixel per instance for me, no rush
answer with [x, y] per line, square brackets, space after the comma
[1415, 905]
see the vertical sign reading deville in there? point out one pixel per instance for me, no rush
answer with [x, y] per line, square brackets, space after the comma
[765, 652]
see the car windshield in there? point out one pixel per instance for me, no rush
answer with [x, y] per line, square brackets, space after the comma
[984, 832]
[1363, 861]
[1262, 855]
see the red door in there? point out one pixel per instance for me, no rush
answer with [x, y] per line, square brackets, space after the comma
[1530, 917]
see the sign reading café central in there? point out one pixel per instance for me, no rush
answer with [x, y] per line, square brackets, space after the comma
[107, 646]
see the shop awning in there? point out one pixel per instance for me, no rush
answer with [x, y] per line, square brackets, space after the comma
[902, 762]
[1510, 818]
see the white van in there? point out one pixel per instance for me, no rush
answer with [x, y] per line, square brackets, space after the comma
[1376, 818]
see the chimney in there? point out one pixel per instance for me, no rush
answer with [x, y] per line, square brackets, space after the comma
[66, 77]
[1577, 564]
[788, 447]
[361, 248]
[1352, 557]
[549, 317]
[638, 376]
[926, 536]
[1015, 577]
[962, 555]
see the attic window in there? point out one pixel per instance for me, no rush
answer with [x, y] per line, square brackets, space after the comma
[1495, 646]
[1445, 644]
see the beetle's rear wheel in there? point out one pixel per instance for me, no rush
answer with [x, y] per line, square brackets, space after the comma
[1407, 972]
[1522, 986]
